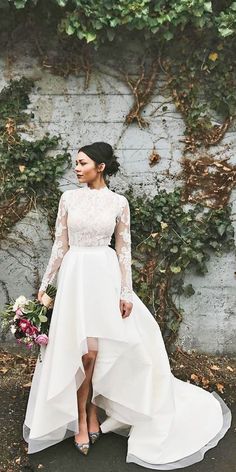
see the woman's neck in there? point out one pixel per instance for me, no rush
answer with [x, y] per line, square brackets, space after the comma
[97, 185]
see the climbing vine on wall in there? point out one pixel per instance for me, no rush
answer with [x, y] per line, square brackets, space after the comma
[208, 180]
[97, 21]
[28, 175]
[189, 43]
[167, 240]
[202, 81]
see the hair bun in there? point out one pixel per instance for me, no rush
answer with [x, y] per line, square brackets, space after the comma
[112, 166]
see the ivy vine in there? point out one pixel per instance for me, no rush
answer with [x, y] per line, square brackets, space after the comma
[28, 175]
[192, 43]
[202, 81]
[97, 21]
[168, 240]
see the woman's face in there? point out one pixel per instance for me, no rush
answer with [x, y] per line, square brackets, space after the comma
[86, 169]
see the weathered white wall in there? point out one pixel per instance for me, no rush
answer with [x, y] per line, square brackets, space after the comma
[62, 106]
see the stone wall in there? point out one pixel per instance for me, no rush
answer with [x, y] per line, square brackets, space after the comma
[62, 106]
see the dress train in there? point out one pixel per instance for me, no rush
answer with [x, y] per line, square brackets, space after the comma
[169, 423]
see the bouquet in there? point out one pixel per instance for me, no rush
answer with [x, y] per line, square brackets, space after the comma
[29, 320]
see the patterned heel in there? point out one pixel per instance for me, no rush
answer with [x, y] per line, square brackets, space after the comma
[94, 436]
[82, 447]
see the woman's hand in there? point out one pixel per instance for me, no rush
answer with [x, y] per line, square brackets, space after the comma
[125, 308]
[40, 294]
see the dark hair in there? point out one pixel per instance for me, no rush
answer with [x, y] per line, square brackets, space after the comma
[112, 166]
[102, 152]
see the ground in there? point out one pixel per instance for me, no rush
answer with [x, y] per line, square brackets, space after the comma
[108, 454]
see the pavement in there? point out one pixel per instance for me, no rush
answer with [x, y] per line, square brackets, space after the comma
[108, 454]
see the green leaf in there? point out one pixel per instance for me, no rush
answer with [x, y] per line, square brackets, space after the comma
[199, 257]
[188, 290]
[168, 35]
[174, 249]
[111, 34]
[225, 31]
[175, 269]
[90, 37]
[158, 218]
[154, 30]
[173, 325]
[81, 34]
[43, 318]
[221, 229]
[20, 4]
[208, 6]
[201, 22]
[114, 22]
[62, 3]
[214, 244]
[70, 30]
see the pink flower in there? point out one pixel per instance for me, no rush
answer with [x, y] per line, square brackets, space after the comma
[19, 312]
[31, 330]
[24, 324]
[41, 339]
[27, 327]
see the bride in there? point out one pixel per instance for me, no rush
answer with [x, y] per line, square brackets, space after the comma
[105, 349]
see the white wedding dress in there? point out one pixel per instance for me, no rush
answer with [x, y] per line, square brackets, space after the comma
[169, 423]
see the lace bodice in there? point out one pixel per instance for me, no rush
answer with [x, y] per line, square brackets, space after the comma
[89, 217]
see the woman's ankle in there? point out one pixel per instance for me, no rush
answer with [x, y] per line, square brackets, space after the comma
[83, 418]
[93, 422]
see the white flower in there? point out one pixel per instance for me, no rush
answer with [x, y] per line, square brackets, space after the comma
[24, 308]
[19, 303]
[13, 329]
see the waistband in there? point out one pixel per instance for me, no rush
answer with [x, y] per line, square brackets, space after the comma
[89, 248]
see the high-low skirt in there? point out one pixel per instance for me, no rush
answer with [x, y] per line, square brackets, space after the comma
[169, 423]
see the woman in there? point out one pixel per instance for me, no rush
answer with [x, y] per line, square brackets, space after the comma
[105, 348]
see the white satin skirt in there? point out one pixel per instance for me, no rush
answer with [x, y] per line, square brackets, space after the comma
[169, 423]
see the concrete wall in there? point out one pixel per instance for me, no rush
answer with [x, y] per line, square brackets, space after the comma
[62, 106]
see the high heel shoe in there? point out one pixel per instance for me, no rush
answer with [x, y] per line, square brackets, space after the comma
[82, 447]
[95, 435]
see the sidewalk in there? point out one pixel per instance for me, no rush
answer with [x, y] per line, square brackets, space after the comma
[109, 453]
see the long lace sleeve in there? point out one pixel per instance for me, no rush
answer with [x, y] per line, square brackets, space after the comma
[60, 245]
[123, 250]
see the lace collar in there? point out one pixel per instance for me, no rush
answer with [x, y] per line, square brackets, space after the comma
[102, 189]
